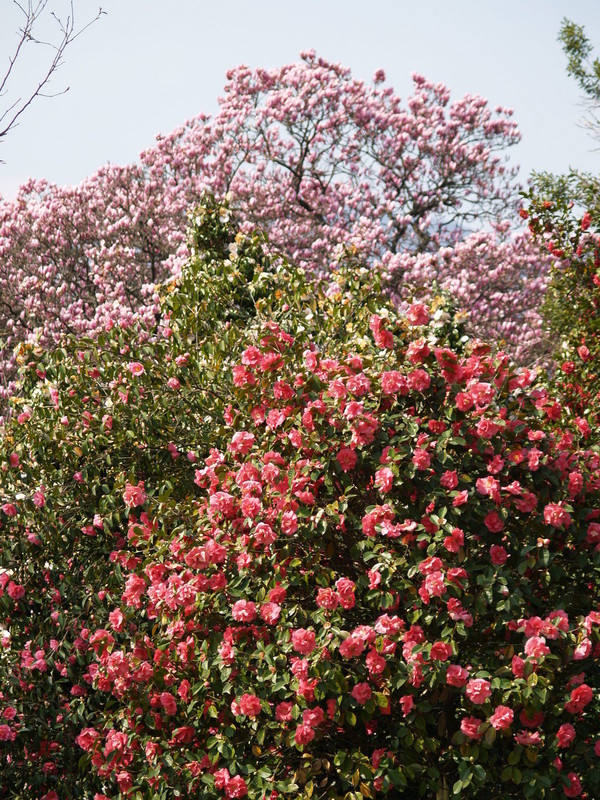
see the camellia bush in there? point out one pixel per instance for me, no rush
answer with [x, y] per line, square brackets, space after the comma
[351, 164]
[291, 542]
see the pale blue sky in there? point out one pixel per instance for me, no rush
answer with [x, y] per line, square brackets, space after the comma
[148, 65]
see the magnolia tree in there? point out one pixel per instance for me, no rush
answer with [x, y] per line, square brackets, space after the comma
[347, 162]
[294, 543]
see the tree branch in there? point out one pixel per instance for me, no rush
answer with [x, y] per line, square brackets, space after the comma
[33, 12]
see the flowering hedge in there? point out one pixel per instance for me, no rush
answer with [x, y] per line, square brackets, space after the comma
[294, 543]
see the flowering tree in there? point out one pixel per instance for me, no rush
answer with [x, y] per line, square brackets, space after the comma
[349, 163]
[295, 543]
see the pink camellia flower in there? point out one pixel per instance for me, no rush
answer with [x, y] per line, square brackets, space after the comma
[375, 662]
[87, 738]
[478, 690]
[384, 479]
[283, 711]
[251, 356]
[250, 705]
[418, 380]
[174, 383]
[455, 541]
[573, 787]
[536, 647]
[345, 589]
[581, 696]
[471, 726]
[435, 584]
[236, 787]
[362, 693]
[457, 675]
[169, 703]
[421, 459]
[394, 382]
[498, 555]
[374, 578]
[583, 352]
[565, 735]
[270, 613]
[289, 522]
[136, 368]
[241, 442]
[449, 480]
[9, 509]
[417, 314]
[352, 646]
[583, 650]
[135, 586]
[407, 704]
[15, 591]
[502, 718]
[493, 522]
[304, 734]
[461, 498]
[303, 641]
[313, 716]
[517, 666]
[555, 515]
[221, 777]
[134, 495]
[529, 738]
[390, 626]
[250, 506]
[243, 611]
[264, 534]
[327, 598]
[124, 781]
[116, 619]
[440, 651]
[346, 458]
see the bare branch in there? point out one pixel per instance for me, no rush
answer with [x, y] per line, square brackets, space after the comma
[32, 12]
